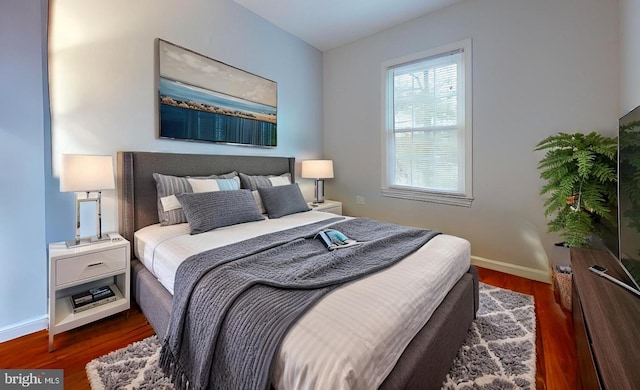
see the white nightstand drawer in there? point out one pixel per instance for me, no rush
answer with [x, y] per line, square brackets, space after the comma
[82, 267]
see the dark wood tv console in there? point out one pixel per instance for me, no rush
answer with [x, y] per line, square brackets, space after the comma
[606, 320]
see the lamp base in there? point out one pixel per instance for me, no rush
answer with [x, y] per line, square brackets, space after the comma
[84, 241]
[96, 239]
[77, 242]
[319, 191]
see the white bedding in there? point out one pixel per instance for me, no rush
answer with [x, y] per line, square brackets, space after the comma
[354, 336]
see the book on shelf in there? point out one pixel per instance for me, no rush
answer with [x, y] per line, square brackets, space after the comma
[92, 298]
[334, 239]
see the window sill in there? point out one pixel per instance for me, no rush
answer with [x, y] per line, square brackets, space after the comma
[432, 197]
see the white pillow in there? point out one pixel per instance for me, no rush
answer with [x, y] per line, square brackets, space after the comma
[279, 181]
[210, 185]
[170, 203]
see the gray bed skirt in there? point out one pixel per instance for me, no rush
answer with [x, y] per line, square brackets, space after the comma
[424, 363]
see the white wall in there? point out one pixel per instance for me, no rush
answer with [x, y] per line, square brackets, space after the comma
[629, 55]
[23, 265]
[539, 67]
[103, 89]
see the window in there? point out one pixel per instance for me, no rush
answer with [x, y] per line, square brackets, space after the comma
[428, 126]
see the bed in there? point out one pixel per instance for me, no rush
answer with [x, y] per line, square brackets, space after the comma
[421, 362]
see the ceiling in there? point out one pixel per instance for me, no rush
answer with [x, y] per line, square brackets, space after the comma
[326, 24]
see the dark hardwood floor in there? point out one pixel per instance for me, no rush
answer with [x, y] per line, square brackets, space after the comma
[556, 360]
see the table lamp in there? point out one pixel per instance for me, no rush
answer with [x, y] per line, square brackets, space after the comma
[319, 170]
[85, 173]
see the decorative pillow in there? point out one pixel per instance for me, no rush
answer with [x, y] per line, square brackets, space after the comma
[208, 185]
[253, 182]
[283, 200]
[230, 175]
[169, 209]
[256, 197]
[206, 211]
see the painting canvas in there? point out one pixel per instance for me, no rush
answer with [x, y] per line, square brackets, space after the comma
[202, 99]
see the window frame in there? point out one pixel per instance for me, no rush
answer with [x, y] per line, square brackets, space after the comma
[389, 189]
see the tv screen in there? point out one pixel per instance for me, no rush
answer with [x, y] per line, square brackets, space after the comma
[629, 194]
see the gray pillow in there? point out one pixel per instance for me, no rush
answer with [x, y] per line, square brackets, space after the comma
[253, 182]
[283, 200]
[206, 211]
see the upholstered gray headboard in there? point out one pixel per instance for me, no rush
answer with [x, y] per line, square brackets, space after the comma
[137, 203]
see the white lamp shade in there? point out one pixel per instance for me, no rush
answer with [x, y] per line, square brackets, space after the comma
[82, 173]
[317, 169]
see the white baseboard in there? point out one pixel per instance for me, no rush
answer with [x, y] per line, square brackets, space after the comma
[513, 269]
[23, 328]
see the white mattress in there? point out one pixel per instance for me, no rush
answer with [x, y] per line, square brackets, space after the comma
[354, 336]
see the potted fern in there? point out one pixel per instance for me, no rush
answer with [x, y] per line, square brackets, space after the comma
[580, 171]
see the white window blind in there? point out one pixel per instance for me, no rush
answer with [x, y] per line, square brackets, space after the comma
[426, 125]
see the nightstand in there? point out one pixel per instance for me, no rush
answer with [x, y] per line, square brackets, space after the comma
[76, 270]
[328, 206]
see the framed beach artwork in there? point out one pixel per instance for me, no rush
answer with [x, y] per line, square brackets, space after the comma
[201, 99]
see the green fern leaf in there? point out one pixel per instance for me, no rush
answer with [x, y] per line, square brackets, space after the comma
[580, 174]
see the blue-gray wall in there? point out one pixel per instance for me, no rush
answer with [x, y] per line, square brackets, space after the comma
[23, 124]
[101, 62]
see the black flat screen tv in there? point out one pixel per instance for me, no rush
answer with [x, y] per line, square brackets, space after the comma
[629, 194]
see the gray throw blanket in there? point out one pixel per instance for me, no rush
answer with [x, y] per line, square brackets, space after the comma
[233, 305]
